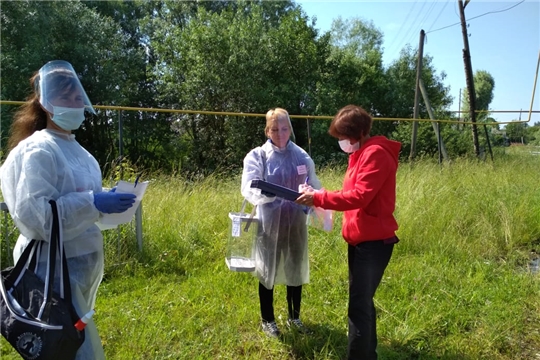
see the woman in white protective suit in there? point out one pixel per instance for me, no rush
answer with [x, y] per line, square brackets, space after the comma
[46, 162]
[282, 248]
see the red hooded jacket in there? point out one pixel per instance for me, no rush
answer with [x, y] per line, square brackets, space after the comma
[368, 197]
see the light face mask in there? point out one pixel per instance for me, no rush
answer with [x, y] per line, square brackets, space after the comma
[68, 118]
[346, 146]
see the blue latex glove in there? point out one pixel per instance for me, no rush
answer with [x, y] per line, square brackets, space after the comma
[111, 202]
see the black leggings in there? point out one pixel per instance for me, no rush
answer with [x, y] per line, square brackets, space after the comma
[266, 297]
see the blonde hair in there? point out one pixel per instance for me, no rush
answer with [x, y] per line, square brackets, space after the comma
[276, 114]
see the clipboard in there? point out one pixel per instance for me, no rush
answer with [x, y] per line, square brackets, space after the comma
[276, 190]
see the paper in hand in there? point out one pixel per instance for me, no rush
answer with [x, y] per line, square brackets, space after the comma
[110, 221]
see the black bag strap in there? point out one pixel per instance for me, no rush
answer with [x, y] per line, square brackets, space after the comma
[21, 264]
[45, 309]
[56, 246]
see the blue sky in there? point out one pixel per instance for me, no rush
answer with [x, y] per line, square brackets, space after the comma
[504, 40]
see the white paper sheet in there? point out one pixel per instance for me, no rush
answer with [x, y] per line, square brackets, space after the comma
[110, 221]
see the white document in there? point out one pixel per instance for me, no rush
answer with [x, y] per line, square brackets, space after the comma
[110, 221]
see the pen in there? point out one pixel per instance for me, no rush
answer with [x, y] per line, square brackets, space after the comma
[137, 180]
[306, 208]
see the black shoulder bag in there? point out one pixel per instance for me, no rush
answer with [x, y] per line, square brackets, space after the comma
[35, 320]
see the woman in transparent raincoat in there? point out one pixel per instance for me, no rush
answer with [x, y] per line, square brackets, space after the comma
[282, 248]
[46, 162]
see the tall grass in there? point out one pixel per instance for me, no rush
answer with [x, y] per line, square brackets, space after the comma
[457, 287]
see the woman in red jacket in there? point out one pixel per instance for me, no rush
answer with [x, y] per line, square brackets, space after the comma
[368, 201]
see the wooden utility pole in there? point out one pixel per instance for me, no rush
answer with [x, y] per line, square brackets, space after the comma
[417, 94]
[469, 75]
[440, 144]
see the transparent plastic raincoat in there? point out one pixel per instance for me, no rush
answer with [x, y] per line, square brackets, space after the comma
[281, 254]
[52, 165]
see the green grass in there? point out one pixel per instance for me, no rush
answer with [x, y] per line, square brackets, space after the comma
[457, 286]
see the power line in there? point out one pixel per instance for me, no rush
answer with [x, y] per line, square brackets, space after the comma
[430, 10]
[437, 18]
[407, 35]
[421, 23]
[476, 17]
[402, 24]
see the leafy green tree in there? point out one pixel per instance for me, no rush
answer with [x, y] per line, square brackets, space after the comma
[148, 137]
[484, 85]
[533, 134]
[517, 132]
[399, 100]
[401, 77]
[233, 61]
[350, 72]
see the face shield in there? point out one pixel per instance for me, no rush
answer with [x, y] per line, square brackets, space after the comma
[293, 138]
[59, 88]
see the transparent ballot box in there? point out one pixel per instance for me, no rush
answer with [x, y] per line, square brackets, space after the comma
[243, 233]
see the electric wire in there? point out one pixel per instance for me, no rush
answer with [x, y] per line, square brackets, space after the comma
[428, 13]
[421, 23]
[476, 17]
[402, 25]
[413, 27]
[440, 13]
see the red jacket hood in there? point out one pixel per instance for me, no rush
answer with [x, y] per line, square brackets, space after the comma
[393, 147]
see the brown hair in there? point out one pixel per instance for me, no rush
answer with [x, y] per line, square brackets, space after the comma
[352, 122]
[31, 116]
[276, 115]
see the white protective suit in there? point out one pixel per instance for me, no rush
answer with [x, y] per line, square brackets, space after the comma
[53, 165]
[281, 254]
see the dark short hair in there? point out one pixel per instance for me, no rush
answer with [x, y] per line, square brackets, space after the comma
[352, 122]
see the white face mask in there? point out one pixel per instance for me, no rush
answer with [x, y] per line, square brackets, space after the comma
[346, 146]
[68, 118]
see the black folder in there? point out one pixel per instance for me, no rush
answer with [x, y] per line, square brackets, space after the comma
[275, 190]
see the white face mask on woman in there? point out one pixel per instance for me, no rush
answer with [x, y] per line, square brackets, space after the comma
[346, 146]
[68, 118]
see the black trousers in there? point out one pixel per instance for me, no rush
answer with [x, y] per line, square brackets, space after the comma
[266, 298]
[367, 262]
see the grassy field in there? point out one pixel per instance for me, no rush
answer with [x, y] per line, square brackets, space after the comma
[458, 286]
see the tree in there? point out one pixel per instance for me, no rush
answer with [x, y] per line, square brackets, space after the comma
[234, 61]
[350, 72]
[533, 134]
[356, 36]
[399, 100]
[484, 84]
[517, 132]
[148, 139]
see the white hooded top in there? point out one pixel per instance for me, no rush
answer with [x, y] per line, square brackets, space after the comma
[53, 165]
